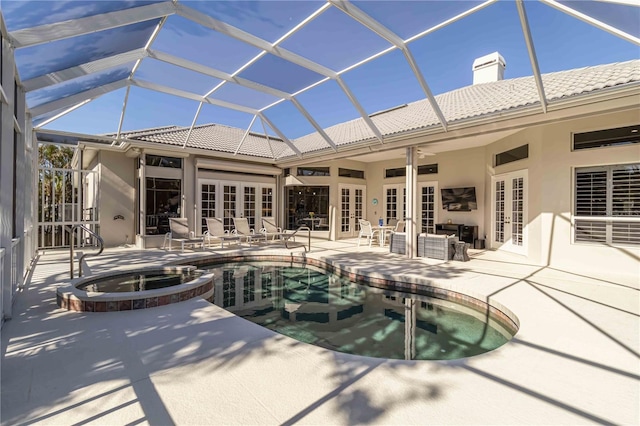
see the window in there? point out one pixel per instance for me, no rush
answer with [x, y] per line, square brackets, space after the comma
[606, 197]
[358, 174]
[427, 208]
[250, 205]
[428, 169]
[301, 200]
[425, 169]
[400, 171]
[163, 202]
[515, 154]
[208, 194]
[267, 202]
[313, 171]
[606, 138]
[229, 204]
[160, 161]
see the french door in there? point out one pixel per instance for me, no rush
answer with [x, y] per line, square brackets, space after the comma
[427, 201]
[227, 200]
[395, 202]
[352, 208]
[509, 212]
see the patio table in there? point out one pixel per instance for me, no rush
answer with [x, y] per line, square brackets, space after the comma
[382, 229]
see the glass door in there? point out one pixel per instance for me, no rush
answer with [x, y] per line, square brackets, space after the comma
[227, 200]
[395, 202]
[352, 208]
[509, 212]
[229, 205]
[427, 207]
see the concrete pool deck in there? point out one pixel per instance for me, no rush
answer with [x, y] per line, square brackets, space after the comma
[574, 360]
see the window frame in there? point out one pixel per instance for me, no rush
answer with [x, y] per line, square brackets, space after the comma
[508, 151]
[607, 142]
[610, 219]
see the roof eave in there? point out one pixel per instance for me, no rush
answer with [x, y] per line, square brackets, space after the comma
[525, 116]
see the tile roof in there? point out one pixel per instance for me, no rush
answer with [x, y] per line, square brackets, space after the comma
[465, 103]
[142, 132]
[217, 137]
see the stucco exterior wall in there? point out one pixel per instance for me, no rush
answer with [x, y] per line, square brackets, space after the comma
[550, 190]
[117, 197]
[465, 168]
[557, 197]
[551, 167]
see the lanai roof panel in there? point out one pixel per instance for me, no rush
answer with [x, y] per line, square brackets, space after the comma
[273, 71]
[409, 18]
[26, 14]
[615, 13]
[58, 55]
[176, 77]
[250, 98]
[335, 41]
[66, 39]
[186, 39]
[78, 85]
[269, 20]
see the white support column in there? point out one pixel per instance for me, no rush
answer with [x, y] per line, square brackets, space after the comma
[21, 190]
[411, 212]
[7, 78]
[142, 196]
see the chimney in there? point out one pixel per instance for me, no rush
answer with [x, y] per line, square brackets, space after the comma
[488, 68]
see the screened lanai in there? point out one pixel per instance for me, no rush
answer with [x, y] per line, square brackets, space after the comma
[292, 70]
[300, 82]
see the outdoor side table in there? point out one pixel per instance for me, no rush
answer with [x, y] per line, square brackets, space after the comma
[461, 251]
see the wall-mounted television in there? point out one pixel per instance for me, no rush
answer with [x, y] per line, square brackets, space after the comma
[459, 199]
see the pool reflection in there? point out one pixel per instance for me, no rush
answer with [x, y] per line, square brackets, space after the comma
[323, 309]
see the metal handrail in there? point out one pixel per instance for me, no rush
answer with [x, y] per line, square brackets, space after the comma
[97, 237]
[302, 228]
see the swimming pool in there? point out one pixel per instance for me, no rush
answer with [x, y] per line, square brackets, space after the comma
[324, 309]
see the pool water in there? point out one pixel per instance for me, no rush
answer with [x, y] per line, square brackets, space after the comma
[139, 281]
[313, 306]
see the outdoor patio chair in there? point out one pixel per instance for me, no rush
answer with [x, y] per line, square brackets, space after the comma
[270, 230]
[215, 231]
[323, 223]
[399, 227]
[243, 230]
[179, 231]
[367, 231]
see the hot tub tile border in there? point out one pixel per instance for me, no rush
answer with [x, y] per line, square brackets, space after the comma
[72, 299]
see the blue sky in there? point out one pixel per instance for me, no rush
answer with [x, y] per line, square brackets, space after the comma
[332, 39]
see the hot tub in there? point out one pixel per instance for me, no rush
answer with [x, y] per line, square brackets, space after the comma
[135, 289]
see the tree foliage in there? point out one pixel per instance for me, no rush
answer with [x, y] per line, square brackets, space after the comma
[55, 156]
[56, 186]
